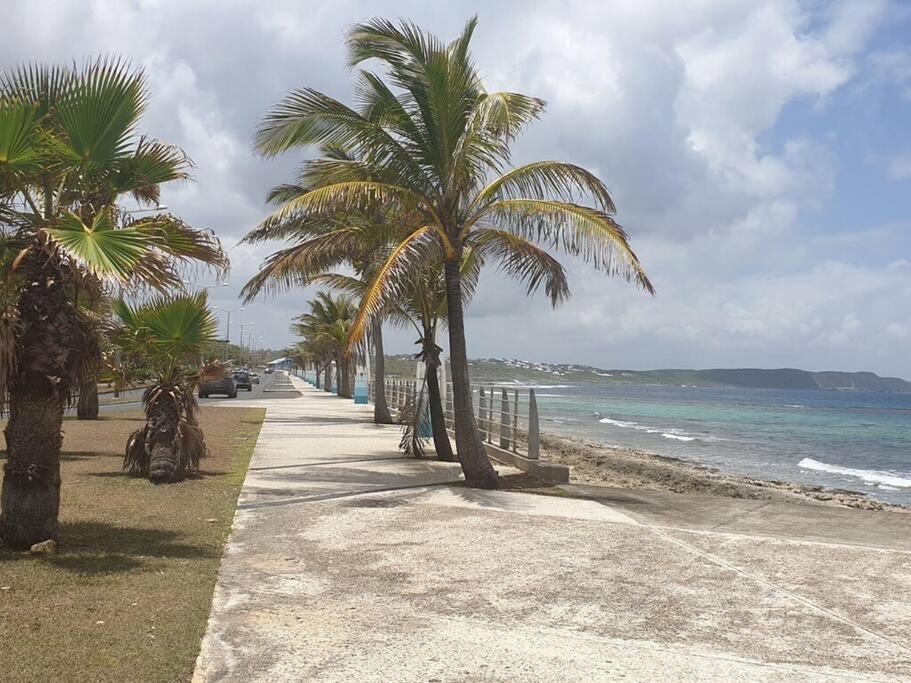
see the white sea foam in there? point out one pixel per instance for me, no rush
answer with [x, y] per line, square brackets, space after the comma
[622, 423]
[884, 479]
[677, 437]
[676, 434]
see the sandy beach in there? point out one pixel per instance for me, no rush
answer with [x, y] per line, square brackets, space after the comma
[594, 463]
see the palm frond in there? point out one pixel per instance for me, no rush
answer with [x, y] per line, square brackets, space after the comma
[150, 165]
[297, 264]
[184, 243]
[505, 114]
[354, 196]
[414, 420]
[106, 251]
[523, 261]
[390, 280]
[578, 230]
[20, 150]
[308, 117]
[547, 180]
[99, 112]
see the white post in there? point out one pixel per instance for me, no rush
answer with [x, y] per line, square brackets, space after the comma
[443, 382]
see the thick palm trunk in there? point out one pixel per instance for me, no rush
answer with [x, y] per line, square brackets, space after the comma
[87, 407]
[52, 340]
[344, 376]
[31, 481]
[477, 468]
[381, 414]
[441, 442]
[162, 421]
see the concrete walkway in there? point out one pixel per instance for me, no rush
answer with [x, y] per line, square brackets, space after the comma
[348, 562]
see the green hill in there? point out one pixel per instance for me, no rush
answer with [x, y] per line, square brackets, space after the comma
[514, 370]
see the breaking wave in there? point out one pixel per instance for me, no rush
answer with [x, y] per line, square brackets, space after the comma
[674, 434]
[883, 479]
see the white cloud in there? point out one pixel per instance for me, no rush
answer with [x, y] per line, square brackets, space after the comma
[899, 167]
[671, 103]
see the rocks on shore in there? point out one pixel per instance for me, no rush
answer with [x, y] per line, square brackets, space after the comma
[593, 463]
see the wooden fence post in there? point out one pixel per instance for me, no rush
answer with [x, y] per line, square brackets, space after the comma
[534, 435]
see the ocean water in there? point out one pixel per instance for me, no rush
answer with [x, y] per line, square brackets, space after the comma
[839, 439]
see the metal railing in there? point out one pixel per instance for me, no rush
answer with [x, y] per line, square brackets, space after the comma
[507, 416]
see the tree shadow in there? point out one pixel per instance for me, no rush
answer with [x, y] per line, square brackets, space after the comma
[97, 548]
[86, 455]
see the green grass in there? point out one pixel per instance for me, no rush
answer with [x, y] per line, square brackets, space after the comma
[128, 594]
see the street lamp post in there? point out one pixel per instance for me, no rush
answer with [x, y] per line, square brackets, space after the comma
[229, 311]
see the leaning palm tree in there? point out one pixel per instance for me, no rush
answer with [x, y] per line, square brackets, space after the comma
[422, 306]
[443, 144]
[354, 239]
[171, 333]
[68, 152]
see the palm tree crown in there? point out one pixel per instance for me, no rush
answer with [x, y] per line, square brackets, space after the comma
[431, 150]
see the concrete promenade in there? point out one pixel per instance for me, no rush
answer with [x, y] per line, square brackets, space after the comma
[349, 563]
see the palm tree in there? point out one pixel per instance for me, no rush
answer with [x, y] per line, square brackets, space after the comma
[171, 333]
[326, 327]
[423, 306]
[443, 144]
[357, 240]
[68, 153]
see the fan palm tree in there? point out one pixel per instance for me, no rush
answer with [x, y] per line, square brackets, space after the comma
[68, 153]
[443, 144]
[326, 327]
[171, 333]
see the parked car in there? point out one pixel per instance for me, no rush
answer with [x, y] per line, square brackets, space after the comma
[269, 370]
[220, 384]
[243, 380]
[254, 377]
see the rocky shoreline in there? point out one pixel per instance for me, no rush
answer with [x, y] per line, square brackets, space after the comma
[594, 463]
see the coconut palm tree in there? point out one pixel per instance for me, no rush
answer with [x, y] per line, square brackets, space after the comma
[353, 239]
[423, 306]
[68, 152]
[443, 143]
[171, 333]
[326, 327]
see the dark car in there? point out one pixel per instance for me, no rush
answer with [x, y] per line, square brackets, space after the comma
[221, 384]
[243, 380]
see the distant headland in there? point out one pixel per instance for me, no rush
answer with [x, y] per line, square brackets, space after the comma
[500, 369]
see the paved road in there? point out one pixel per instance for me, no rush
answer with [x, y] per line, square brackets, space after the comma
[259, 392]
[347, 562]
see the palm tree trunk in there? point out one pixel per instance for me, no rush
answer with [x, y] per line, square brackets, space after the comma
[477, 468]
[441, 443]
[30, 498]
[31, 481]
[87, 407]
[162, 419]
[344, 386]
[381, 414]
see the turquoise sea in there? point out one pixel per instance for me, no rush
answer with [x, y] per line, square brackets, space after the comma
[839, 439]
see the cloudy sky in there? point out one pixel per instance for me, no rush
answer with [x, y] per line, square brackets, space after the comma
[758, 150]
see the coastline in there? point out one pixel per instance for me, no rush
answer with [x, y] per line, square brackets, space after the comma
[594, 463]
